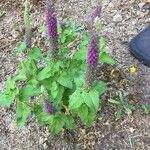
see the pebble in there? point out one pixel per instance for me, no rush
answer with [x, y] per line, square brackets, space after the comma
[141, 5]
[41, 141]
[110, 6]
[12, 126]
[117, 18]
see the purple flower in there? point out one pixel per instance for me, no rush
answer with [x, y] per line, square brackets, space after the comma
[96, 13]
[92, 60]
[93, 50]
[51, 21]
[49, 108]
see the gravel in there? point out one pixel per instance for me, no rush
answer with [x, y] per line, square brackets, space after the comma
[121, 20]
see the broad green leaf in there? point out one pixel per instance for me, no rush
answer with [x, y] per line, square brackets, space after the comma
[44, 73]
[10, 93]
[29, 67]
[28, 91]
[35, 53]
[87, 115]
[100, 87]
[118, 114]
[69, 122]
[85, 40]
[45, 118]
[57, 124]
[5, 100]
[22, 113]
[79, 80]
[33, 82]
[65, 81]
[75, 100]
[83, 112]
[106, 58]
[20, 77]
[21, 48]
[54, 90]
[82, 53]
[59, 95]
[91, 99]
[10, 85]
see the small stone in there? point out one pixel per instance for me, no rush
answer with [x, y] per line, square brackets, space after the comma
[41, 140]
[117, 18]
[12, 126]
[15, 34]
[132, 129]
[110, 6]
[45, 146]
[141, 5]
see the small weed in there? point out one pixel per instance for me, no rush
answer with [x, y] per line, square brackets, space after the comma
[122, 106]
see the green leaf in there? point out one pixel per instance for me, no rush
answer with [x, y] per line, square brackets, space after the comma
[100, 87]
[45, 118]
[128, 108]
[35, 53]
[59, 95]
[10, 85]
[69, 122]
[106, 58]
[22, 113]
[82, 53]
[21, 48]
[44, 73]
[21, 76]
[146, 108]
[29, 68]
[10, 93]
[102, 44]
[83, 112]
[76, 100]
[118, 114]
[54, 89]
[5, 100]
[28, 91]
[91, 99]
[65, 81]
[57, 124]
[87, 115]
[79, 80]
[37, 108]
[114, 101]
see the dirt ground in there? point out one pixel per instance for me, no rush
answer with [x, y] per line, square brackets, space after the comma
[122, 20]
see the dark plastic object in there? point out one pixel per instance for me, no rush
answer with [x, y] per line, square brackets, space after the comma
[140, 46]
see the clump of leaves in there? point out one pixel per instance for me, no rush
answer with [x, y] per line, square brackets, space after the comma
[52, 87]
[123, 107]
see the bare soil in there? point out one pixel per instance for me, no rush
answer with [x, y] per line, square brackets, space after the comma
[130, 133]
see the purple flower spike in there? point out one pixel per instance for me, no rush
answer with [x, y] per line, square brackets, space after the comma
[96, 13]
[93, 50]
[49, 108]
[92, 61]
[51, 21]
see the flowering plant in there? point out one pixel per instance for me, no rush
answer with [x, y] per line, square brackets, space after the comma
[62, 87]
